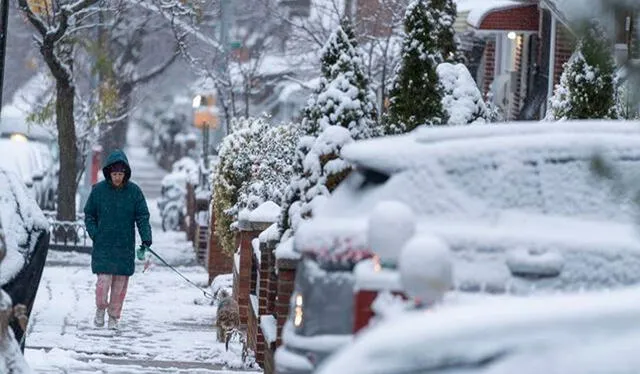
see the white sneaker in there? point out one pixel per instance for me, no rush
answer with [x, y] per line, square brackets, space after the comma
[99, 318]
[113, 323]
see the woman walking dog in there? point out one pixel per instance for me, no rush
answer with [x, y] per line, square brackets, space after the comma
[113, 209]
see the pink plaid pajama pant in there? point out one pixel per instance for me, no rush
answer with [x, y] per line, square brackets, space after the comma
[113, 302]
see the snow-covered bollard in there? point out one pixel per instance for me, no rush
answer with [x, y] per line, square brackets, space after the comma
[426, 269]
[391, 225]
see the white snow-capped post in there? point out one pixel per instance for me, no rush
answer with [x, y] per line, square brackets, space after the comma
[426, 269]
[391, 225]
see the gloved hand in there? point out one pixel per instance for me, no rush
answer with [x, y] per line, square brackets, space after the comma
[142, 251]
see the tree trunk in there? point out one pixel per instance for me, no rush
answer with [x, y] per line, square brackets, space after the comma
[65, 95]
[247, 96]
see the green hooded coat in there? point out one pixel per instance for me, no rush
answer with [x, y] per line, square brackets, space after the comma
[110, 216]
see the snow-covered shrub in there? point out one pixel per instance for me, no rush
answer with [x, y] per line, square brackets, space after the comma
[255, 165]
[461, 100]
[416, 97]
[323, 169]
[587, 86]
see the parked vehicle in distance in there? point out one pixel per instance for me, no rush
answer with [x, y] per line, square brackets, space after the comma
[589, 333]
[26, 236]
[517, 204]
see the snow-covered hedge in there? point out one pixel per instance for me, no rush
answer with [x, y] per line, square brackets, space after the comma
[255, 165]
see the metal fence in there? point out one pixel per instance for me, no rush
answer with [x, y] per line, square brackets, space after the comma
[68, 236]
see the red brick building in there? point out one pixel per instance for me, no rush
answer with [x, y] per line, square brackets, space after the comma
[526, 43]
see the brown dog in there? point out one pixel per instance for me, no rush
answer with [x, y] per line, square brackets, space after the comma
[228, 319]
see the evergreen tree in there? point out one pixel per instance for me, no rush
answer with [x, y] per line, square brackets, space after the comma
[429, 40]
[588, 87]
[342, 99]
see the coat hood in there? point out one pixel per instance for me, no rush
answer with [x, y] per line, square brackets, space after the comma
[116, 156]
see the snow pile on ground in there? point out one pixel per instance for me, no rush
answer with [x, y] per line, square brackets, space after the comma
[461, 99]
[22, 222]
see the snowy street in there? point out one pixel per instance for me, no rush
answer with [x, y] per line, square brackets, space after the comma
[167, 325]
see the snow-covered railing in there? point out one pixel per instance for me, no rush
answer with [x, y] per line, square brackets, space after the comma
[69, 236]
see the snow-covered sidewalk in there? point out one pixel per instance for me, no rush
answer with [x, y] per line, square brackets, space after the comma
[167, 325]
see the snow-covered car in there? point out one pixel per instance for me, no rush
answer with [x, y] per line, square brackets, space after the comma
[32, 160]
[26, 237]
[589, 333]
[518, 204]
[30, 150]
[11, 359]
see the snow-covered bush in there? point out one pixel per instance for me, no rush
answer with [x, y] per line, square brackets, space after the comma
[461, 100]
[416, 97]
[587, 86]
[323, 170]
[272, 167]
[255, 165]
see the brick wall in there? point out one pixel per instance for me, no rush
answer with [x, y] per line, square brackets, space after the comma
[218, 262]
[489, 64]
[246, 233]
[564, 50]
[524, 18]
[285, 286]
[255, 338]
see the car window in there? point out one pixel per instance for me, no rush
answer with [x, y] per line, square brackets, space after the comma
[544, 180]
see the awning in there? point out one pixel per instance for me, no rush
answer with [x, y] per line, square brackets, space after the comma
[497, 15]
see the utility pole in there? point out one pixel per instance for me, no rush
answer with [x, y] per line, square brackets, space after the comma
[3, 43]
[226, 23]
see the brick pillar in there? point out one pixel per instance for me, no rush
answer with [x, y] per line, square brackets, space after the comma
[489, 64]
[286, 278]
[218, 262]
[517, 96]
[266, 268]
[564, 50]
[247, 231]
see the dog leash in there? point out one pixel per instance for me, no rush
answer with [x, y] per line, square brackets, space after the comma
[206, 294]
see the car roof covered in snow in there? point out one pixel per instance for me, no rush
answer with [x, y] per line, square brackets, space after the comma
[11, 124]
[579, 333]
[393, 153]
